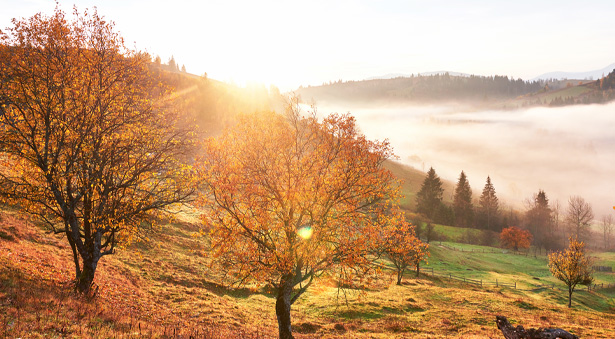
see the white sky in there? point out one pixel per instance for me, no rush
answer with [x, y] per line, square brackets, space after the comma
[290, 43]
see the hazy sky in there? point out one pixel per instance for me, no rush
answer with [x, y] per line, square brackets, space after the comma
[291, 43]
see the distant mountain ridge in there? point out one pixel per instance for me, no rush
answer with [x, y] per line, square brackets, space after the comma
[424, 88]
[402, 75]
[588, 75]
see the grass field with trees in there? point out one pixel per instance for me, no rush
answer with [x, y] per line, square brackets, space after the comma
[100, 155]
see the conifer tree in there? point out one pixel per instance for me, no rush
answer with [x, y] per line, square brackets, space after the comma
[429, 198]
[539, 222]
[462, 202]
[488, 206]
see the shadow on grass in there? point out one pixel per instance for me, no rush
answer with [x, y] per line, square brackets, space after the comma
[235, 292]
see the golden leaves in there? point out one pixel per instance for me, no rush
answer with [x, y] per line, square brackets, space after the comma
[572, 266]
[290, 192]
[86, 140]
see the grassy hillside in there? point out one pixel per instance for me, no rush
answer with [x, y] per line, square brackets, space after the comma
[168, 287]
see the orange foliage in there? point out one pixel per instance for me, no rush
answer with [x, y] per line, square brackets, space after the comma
[86, 142]
[403, 248]
[515, 238]
[572, 266]
[290, 198]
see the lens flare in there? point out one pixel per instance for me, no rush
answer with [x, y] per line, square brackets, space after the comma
[305, 232]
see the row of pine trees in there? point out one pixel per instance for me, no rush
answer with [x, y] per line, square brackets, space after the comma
[462, 213]
[540, 218]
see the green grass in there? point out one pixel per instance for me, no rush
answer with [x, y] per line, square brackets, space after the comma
[528, 271]
[456, 234]
[574, 92]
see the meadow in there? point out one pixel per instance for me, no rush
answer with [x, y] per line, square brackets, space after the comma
[167, 287]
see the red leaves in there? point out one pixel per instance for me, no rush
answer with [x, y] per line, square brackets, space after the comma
[515, 238]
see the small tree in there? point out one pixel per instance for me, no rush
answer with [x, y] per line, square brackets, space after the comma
[579, 216]
[607, 230]
[572, 266]
[430, 232]
[515, 238]
[292, 198]
[403, 248]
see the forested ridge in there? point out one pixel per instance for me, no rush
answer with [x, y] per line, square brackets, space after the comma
[438, 87]
[489, 91]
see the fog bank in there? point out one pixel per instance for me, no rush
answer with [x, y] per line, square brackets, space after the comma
[564, 151]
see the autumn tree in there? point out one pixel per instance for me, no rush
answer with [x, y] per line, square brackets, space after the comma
[86, 144]
[292, 198]
[403, 248]
[572, 266]
[488, 206]
[515, 238]
[579, 216]
[462, 202]
[539, 221]
[429, 198]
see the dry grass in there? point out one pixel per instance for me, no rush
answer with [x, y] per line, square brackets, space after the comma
[166, 289]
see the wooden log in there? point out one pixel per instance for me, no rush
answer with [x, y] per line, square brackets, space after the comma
[519, 332]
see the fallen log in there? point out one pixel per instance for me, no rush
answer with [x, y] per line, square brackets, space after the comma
[519, 332]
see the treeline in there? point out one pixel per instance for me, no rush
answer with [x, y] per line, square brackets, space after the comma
[607, 82]
[421, 88]
[550, 224]
[602, 91]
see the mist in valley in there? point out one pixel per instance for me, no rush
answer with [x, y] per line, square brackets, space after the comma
[565, 151]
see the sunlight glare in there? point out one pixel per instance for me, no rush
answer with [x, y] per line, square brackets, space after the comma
[305, 232]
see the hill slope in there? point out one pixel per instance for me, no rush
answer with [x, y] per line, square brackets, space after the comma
[412, 181]
[167, 288]
[436, 88]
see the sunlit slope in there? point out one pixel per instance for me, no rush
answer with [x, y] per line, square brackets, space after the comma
[167, 286]
[209, 104]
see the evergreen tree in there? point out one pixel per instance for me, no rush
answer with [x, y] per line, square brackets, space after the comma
[539, 222]
[488, 206]
[429, 198]
[462, 202]
[173, 65]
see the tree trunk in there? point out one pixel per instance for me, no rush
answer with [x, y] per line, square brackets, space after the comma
[400, 274]
[86, 278]
[75, 254]
[570, 297]
[418, 269]
[282, 308]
